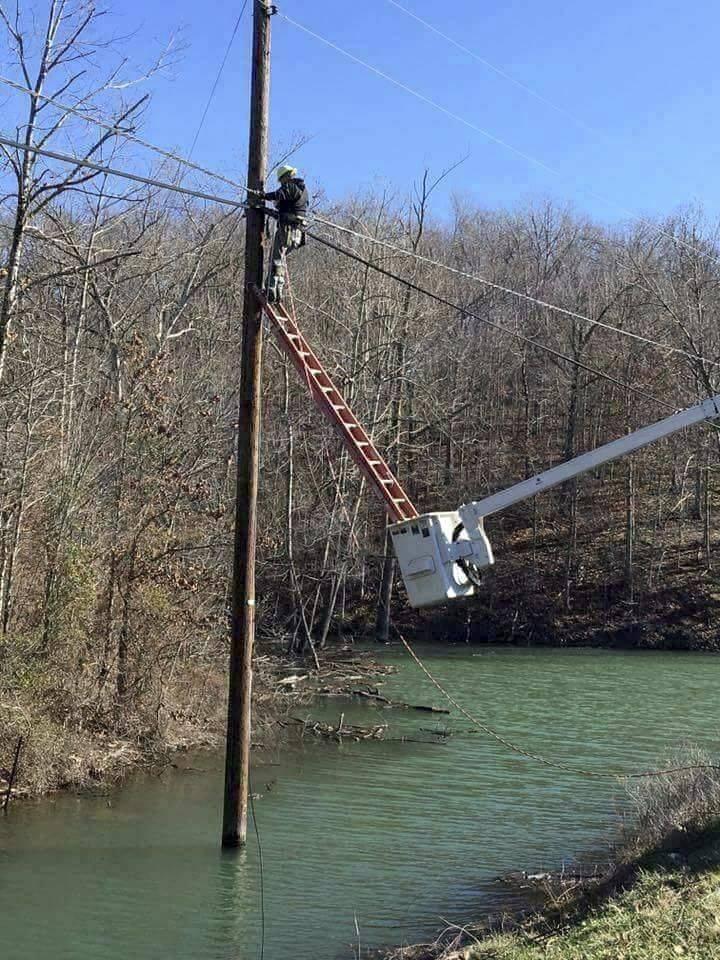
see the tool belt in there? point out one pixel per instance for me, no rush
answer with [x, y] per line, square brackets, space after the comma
[293, 221]
[292, 225]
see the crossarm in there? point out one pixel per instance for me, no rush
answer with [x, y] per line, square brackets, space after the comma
[707, 410]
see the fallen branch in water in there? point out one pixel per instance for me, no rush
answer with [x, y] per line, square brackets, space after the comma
[448, 731]
[349, 731]
[379, 698]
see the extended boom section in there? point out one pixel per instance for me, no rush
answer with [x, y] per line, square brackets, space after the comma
[707, 410]
[441, 555]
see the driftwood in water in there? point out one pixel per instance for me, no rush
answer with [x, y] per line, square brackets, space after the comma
[370, 694]
[376, 697]
[349, 731]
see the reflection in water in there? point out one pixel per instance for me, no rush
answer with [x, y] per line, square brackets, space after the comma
[395, 835]
[237, 896]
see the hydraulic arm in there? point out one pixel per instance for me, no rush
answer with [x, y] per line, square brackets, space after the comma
[442, 555]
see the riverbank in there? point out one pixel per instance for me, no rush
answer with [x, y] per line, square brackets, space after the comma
[57, 755]
[671, 910]
[658, 900]
[79, 746]
[682, 616]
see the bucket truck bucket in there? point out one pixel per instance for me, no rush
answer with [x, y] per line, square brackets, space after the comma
[438, 559]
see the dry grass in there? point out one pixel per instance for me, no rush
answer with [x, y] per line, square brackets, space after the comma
[663, 807]
[81, 744]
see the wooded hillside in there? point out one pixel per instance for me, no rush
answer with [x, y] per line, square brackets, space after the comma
[119, 357]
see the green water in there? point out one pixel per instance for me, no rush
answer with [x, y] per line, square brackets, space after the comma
[389, 836]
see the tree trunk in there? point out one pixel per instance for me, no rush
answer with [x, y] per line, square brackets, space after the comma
[706, 512]
[12, 280]
[630, 530]
[382, 620]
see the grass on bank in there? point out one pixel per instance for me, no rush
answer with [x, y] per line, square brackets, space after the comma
[661, 900]
[672, 910]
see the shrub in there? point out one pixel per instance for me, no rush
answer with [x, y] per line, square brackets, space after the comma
[686, 801]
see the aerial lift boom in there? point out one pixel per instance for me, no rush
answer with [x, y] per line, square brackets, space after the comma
[441, 555]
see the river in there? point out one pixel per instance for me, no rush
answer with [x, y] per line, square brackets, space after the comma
[376, 842]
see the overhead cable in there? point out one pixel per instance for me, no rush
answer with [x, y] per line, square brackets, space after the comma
[123, 174]
[240, 205]
[491, 136]
[417, 94]
[217, 78]
[517, 293]
[491, 66]
[491, 323]
[122, 131]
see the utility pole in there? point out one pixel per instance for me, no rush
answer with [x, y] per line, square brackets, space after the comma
[237, 757]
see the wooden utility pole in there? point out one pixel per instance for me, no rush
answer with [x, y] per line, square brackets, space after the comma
[237, 757]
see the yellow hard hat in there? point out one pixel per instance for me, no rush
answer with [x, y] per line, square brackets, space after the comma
[285, 171]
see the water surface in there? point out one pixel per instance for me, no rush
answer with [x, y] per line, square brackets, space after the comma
[382, 837]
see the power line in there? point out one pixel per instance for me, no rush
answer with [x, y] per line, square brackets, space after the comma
[122, 131]
[491, 323]
[123, 174]
[490, 136]
[240, 205]
[521, 296]
[491, 66]
[418, 95]
[538, 758]
[217, 78]
[235, 184]
[164, 185]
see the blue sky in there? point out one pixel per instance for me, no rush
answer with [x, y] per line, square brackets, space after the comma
[637, 86]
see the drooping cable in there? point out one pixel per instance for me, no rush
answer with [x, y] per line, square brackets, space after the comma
[491, 323]
[262, 869]
[488, 135]
[501, 288]
[539, 758]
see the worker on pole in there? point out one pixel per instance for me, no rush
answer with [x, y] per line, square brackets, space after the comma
[291, 201]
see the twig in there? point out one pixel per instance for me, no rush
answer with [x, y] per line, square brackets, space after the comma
[13, 772]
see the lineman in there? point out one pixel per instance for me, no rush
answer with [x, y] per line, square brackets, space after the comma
[291, 200]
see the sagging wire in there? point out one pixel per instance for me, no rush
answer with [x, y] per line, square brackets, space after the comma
[539, 758]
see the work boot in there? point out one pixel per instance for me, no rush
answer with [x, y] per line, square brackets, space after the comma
[275, 290]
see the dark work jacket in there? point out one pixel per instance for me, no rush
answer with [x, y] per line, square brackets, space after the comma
[291, 199]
